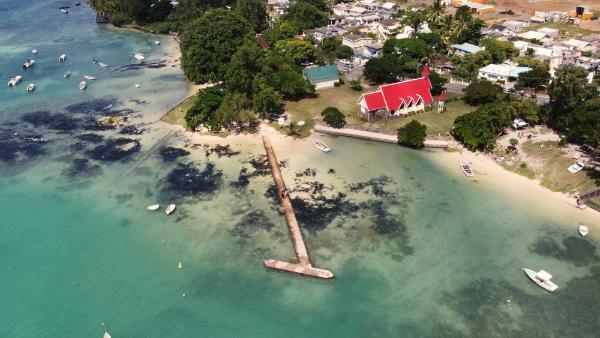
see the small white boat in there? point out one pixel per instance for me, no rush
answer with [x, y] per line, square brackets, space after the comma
[82, 85]
[28, 63]
[62, 58]
[137, 85]
[67, 74]
[541, 278]
[89, 77]
[139, 56]
[34, 51]
[170, 209]
[156, 42]
[14, 80]
[30, 87]
[106, 334]
[466, 169]
[321, 146]
[153, 207]
[64, 11]
[103, 65]
[583, 230]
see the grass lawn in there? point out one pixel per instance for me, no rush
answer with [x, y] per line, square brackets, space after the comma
[551, 165]
[177, 114]
[564, 29]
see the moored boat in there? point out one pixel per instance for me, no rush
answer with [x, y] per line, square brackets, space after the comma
[82, 85]
[170, 209]
[28, 63]
[466, 169]
[67, 74]
[583, 230]
[62, 58]
[103, 65]
[542, 279]
[14, 80]
[139, 56]
[89, 77]
[30, 87]
[34, 51]
[153, 207]
[156, 42]
[321, 146]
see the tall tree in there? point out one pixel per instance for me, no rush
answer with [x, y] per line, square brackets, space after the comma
[254, 12]
[209, 42]
[188, 10]
[413, 134]
[435, 13]
[414, 19]
[245, 64]
[304, 15]
[479, 129]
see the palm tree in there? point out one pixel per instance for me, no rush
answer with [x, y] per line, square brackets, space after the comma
[446, 28]
[436, 12]
[414, 20]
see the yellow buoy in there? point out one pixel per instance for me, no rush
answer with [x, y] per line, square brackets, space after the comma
[179, 265]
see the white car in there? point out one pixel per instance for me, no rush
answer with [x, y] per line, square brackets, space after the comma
[575, 168]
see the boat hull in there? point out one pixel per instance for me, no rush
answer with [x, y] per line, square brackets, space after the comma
[546, 285]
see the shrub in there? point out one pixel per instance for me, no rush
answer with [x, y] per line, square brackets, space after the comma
[412, 134]
[355, 84]
[481, 92]
[333, 117]
[119, 19]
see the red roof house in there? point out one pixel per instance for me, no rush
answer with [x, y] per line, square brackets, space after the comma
[400, 98]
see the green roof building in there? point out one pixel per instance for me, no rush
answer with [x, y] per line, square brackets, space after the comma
[322, 77]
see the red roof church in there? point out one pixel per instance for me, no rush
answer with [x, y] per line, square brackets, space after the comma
[400, 98]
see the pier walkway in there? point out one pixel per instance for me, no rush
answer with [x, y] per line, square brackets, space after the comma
[376, 136]
[303, 266]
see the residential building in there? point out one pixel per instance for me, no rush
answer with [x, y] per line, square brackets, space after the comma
[515, 25]
[387, 28]
[356, 41]
[322, 77]
[466, 48]
[396, 99]
[504, 72]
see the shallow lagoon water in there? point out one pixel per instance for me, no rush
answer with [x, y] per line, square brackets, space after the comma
[417, 250]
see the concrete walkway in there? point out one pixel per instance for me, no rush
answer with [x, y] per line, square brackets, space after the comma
[303, 266]
[375, 136]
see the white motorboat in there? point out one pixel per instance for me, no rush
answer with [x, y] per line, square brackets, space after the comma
[137, 85]
[466, 169]
[541, 278]
[14, 80]
[89, 77]
[139, 56]
[106, 334]
[34, 51]
[103, 65]
[64, 10]
[156, 42]
[28, 63]
[82, 85]
[170, 209]
[67, 74]
[30, 87]
[153, 207]
[583, 230]
[62, 58]
[321, 146]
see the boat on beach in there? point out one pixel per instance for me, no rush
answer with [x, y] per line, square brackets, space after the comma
[321, 146]
[30, 87]
[67, 74]
[583, 230]
[170, 209]
[14, 80]
[542, 279]
[466, 169]
[82, 85]
[153, 207]
[89, 77]
[62, 58]
[139, 56]
[28, 63]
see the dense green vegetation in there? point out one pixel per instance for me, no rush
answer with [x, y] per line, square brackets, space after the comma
[481, 92]
[127, 11]
[333, 117]
[412, 134]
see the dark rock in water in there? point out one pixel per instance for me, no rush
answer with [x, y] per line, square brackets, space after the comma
[138, 101]
[375, 184]
[45, 119]
[131, 130]
[92, 106]
[82, 168]
[93, 124]
[220, 150]
[142, 65]
[251, 223]
[187, 181]
[17, 147]
[170, 154]
[331, 171]
[243, 179]
[316, 213]
[576, 250]
[307, 172]
[90, 138]
[113, 150]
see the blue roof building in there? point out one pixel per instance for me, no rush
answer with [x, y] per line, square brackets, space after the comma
[322, 77]
[466, 48]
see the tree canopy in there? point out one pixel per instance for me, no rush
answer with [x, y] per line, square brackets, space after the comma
[205, 107]
[479, 129]
[254, 12]
[333, 117]
[413, 134]
[305, 14]
[481, 92]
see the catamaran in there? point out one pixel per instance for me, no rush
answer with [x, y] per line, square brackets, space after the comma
[170, 209]
[82, 85]
[14, 80]
[321, 146]
[542, 279]
[28, 63]
[466, 169]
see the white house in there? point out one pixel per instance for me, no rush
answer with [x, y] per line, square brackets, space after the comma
[504, 72]
[515, 25]
[386, 28]
[356, 41]
[407, 31]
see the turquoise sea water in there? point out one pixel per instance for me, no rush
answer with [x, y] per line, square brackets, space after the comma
[417, 250]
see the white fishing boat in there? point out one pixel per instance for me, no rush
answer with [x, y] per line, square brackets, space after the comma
[67, 74]
[106, 334]
[153, 207]
[30, 87]
[28, 63]
[156, 42]
[541, 278]
[170, 209]
[139, 56]
[64, 11]
[466, 169]
[137, 85]
[583, 230]
[34, 51]
[82, 85]
[14, 80]
[103, 65]
[321, 146]
[89, 77]
[62, 58]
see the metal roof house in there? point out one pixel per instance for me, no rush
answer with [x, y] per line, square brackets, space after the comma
[322, 77]
[396, 99]
[466, 48]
